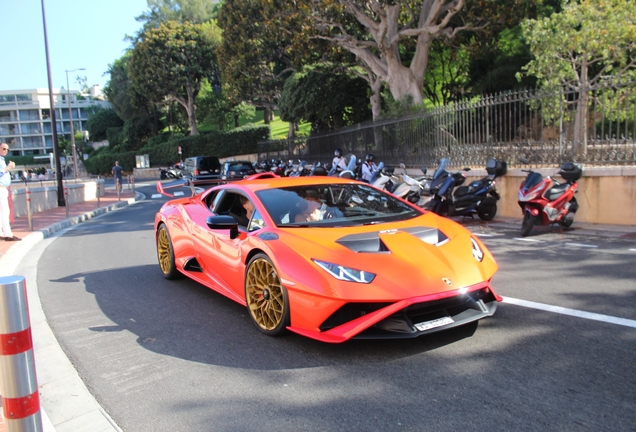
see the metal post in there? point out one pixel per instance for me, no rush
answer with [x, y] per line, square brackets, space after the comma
[133, 184]
[28, 207]
[70, 119]
[18, 382]
[99, 191]
[118, 186]
[66, 199]
[56, 148]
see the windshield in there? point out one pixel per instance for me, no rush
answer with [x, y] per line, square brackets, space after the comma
[442, 167]
[333, 205]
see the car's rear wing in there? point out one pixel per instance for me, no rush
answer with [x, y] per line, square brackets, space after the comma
[192, 183]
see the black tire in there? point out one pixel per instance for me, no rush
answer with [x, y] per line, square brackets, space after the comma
[165, 254]
[266, 297]
[567, 223]
[487, 213]
[527, 224]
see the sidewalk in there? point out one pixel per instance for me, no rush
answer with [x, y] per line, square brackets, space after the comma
[45, 224]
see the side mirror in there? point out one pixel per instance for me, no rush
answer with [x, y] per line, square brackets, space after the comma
[423, 170]
[223, 222]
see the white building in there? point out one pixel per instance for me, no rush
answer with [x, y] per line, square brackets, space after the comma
[25, 117]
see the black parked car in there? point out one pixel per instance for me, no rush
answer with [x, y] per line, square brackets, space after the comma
[237, 169]
[201, 168]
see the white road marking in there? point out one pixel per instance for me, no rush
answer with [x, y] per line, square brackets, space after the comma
[154, 196]
[483, 235]
[178, 194]
[527, 239]
[571, 312]
[581, 245]
[633, 250]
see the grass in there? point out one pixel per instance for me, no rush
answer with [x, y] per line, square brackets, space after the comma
[279, 127]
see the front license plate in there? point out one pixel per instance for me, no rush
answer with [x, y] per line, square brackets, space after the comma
[427, 325]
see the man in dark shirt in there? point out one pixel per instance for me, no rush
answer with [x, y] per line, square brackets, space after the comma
[118, 173]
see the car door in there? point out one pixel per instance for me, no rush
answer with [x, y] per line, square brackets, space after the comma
[231, 252]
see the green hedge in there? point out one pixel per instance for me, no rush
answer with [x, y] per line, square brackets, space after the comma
[238, 141]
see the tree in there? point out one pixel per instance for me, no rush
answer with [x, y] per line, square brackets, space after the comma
[192, 11]
[171, 61]
[328, 101]
[98, 123]
[583, 45]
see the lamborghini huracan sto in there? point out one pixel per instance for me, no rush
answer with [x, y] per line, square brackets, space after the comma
[327, 258]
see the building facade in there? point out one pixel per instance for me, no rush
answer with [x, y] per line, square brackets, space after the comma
[25, 117]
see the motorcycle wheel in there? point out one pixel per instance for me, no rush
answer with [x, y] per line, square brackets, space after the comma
[527, 224]
[487, 213]
[567, 223]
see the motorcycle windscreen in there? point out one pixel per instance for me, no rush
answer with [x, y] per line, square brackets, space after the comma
[532, 180]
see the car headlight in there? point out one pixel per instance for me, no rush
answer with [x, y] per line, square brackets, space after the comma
[478, 254]
[346, 273]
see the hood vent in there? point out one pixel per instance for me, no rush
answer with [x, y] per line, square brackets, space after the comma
[371, 242]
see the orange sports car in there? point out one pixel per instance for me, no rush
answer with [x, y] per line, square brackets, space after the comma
[327, 258]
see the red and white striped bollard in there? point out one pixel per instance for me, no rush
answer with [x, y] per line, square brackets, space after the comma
[18, 383]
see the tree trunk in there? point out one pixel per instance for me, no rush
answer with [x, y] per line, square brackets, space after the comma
[266, 115]
[376, 98]
[402, 83]
[579, 144]
[191, 110]
[291, 133]
[236, 120]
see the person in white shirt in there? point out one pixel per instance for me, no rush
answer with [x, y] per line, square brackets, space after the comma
[339, 163]
[369, 167]
[5, 182]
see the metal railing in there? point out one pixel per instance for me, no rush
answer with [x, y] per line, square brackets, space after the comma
[594, 127]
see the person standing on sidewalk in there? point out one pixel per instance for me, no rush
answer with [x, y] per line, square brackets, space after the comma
[5, 182]
[118, 173]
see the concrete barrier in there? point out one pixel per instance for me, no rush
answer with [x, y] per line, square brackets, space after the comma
[44, 195]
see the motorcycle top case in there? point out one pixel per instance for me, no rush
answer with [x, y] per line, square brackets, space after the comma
[496, 167]
[571, 171]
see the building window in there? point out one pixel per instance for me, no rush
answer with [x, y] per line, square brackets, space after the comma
[35, 141]
[8, 116]
[8, 129]
[30, 128]
[46, 114]
[26, 115]
[7, 99]
[24, 97]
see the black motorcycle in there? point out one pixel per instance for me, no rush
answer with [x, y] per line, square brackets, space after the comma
[480, 197]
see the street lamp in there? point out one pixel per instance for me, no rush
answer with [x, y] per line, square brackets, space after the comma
[70, 118]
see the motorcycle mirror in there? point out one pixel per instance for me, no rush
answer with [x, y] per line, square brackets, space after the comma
[423, 169]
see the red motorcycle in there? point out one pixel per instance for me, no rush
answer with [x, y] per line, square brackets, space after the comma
[545, 201]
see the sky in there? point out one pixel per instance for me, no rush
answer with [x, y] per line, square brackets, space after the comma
[81, 34]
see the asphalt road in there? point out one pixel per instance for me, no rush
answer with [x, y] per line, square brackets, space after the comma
[174, 356]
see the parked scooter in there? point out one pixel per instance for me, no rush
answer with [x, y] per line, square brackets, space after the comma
[545, 201]
[172, 172]
[479, 197]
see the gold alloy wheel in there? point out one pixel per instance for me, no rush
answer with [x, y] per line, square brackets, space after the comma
[265, 296]
[165, 254]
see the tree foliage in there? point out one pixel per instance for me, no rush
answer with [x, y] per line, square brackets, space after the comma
[192, 11]
[98, 123]
[171, 61]
[581, 46]
[328, 101]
